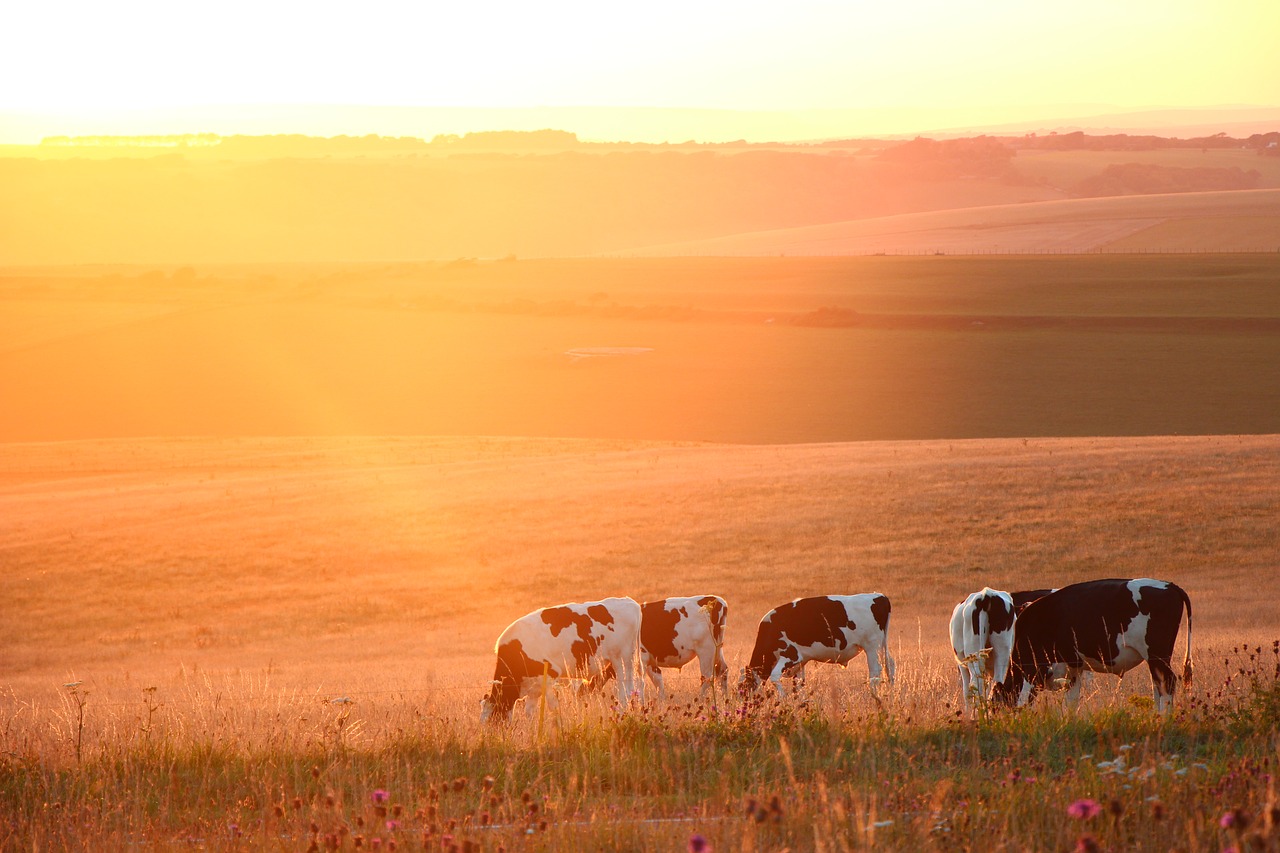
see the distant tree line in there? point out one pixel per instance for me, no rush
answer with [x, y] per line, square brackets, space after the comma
[1148, 178]
[1081, 141]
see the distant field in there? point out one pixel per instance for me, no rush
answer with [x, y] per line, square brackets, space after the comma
[757, 350]
[1241, 221]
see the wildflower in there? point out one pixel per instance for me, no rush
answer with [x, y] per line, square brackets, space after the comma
[698, 844]
[379, 797]
[393, 825]
[1084, 809]
[1087, 844]
[1116, 808]
[1234, 819]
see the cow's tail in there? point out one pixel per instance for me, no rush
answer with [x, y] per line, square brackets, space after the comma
[1186, 662]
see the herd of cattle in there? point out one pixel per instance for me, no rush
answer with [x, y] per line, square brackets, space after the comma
[1007, 645]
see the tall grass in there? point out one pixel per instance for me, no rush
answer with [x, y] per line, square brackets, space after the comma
[833, 770]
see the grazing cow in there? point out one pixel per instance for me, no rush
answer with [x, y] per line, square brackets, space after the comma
[826, 628]
[1103, 626]
[572, 640]
[982, 638]
[673, 631]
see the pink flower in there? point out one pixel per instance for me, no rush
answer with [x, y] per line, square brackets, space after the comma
[698, 844]
[1084, 809]
[379, 796]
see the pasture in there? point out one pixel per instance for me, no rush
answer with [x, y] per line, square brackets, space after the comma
[266, 634]
[745, 350]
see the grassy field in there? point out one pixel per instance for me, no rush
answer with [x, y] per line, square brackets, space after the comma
[266, 633]
[740, 350]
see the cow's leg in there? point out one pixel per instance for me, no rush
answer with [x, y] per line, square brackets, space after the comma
[779, 669]
[797, 676]
[628, 683]
[721, 673]
[966, 679]
[1163, 684]
[875, 672]
[655, 675]
[541, 693]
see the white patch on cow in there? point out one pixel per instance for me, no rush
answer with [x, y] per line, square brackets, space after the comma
[982, 656]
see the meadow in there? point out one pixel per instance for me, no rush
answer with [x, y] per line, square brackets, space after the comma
[745, 350]
[278, 642]
[260, 526]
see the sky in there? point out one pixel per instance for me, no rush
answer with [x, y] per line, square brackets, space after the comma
[106, 65]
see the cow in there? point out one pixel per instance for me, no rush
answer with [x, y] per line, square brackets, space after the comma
[1103, 626]
[982, 629]
[825, 628]
[571, 640]
[674, 631]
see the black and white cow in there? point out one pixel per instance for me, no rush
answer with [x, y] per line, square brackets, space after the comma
[674, 631]
[571, 640]
[1103, 626]
[825, 628]
[982, 638]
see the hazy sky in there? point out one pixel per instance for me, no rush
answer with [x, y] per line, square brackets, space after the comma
[985, 57]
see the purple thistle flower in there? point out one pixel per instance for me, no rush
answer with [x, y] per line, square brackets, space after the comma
[698, 844]
[1084, 809]
[379, 796]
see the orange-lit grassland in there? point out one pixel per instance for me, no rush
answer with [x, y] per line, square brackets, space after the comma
[252, 580]
[749, 350]
[236, 544]
[340, 565]
[262, 623]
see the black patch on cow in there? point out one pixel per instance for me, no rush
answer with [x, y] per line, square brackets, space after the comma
[600, 614]
[1024, 597]
[880, 610]
[658, 629]
[999, 614]
[803, 622]
[582, 648]
[513, 666]
[715, 612]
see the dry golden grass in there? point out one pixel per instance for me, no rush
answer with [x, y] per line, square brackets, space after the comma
[334, 565]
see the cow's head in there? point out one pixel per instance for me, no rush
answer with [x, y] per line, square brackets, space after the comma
[1022, 683]
[496, 705]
